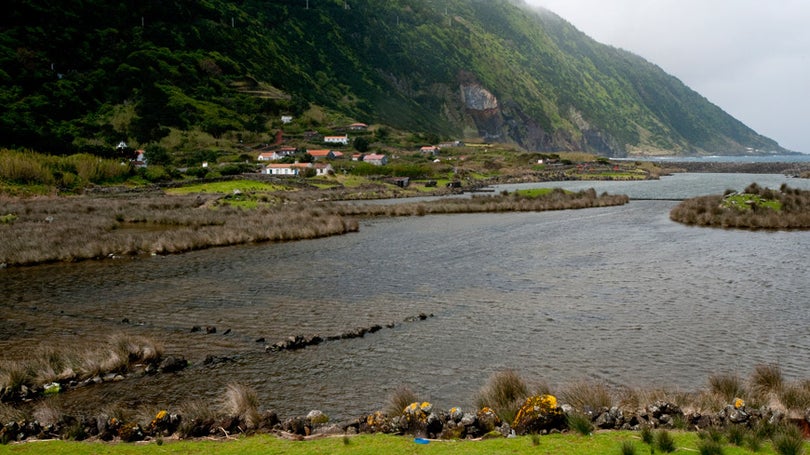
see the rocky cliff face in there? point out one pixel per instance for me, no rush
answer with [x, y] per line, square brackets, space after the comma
[509, 123]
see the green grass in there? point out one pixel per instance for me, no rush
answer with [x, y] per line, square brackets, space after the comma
[227, 187]
[598, 444]
[745, 201]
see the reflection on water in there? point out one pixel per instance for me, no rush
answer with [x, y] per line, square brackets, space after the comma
[621, 294]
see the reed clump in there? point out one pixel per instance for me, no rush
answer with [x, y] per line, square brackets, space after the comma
[65, 364]
[504, 392]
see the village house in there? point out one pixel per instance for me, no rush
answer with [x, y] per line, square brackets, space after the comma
[430, 149]
[323, 154]
[285, 119]
[376, 159]
[277, 154]
[295, 169]
[357, 157]
[358, 127]
[343, 140]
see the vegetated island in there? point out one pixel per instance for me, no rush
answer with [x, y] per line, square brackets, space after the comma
[753, 208]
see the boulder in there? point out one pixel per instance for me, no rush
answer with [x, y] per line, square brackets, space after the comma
[172, 363]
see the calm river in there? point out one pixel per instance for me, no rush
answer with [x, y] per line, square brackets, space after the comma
[619, 294]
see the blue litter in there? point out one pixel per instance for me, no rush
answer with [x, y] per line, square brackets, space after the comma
[421, 441]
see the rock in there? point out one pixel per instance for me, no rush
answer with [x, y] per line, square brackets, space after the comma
[196, 328]
[316, 417]
[171, 364]
[209, 329]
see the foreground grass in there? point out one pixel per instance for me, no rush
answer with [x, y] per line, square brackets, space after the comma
[559, 444]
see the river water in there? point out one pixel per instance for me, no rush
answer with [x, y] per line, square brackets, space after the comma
[619, 294]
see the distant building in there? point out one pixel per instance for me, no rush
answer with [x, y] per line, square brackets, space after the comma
[285, 119]
[344, 140]
[358, 127]
[321, 154]
[375, 159]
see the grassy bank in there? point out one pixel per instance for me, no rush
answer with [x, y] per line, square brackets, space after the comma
[617, 442]
[50, 229]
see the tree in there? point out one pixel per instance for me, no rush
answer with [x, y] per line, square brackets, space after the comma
[157, 155]
[360, 144]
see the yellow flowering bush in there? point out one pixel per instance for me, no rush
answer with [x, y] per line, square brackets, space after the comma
[539, 412]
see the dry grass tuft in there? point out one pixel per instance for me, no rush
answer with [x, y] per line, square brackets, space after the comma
[766, 381]
[727, 386]
[504, 393]
[587, 395]
[400, 399]
[242, 401]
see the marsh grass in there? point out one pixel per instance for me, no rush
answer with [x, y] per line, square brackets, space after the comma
[788, 440]
[664, 441]
[728, 386]
[587, 395]
[796, 396]
[49, 364]
[242, 401]
[766, 379]
[628, 448]
[504, 393]
[710, 447]
[579, 422]
[400, 398]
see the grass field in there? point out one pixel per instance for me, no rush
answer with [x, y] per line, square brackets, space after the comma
[560, 444]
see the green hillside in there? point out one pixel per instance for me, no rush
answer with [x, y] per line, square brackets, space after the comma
[85, 75]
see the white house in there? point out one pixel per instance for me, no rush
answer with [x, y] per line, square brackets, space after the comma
[376, 159]
[285, 119]
[285, 169]
[344, 140]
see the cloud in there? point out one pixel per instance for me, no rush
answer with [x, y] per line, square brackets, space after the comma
[749, 57]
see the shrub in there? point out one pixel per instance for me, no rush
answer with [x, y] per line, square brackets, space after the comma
[504, 393]
[664, 441]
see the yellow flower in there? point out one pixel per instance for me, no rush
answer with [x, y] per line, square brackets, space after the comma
[738, 403]
[161, 415]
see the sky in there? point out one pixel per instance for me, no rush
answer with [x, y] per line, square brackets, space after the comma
[750, 57]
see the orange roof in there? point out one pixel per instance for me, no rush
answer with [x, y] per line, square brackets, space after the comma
[321, 152]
